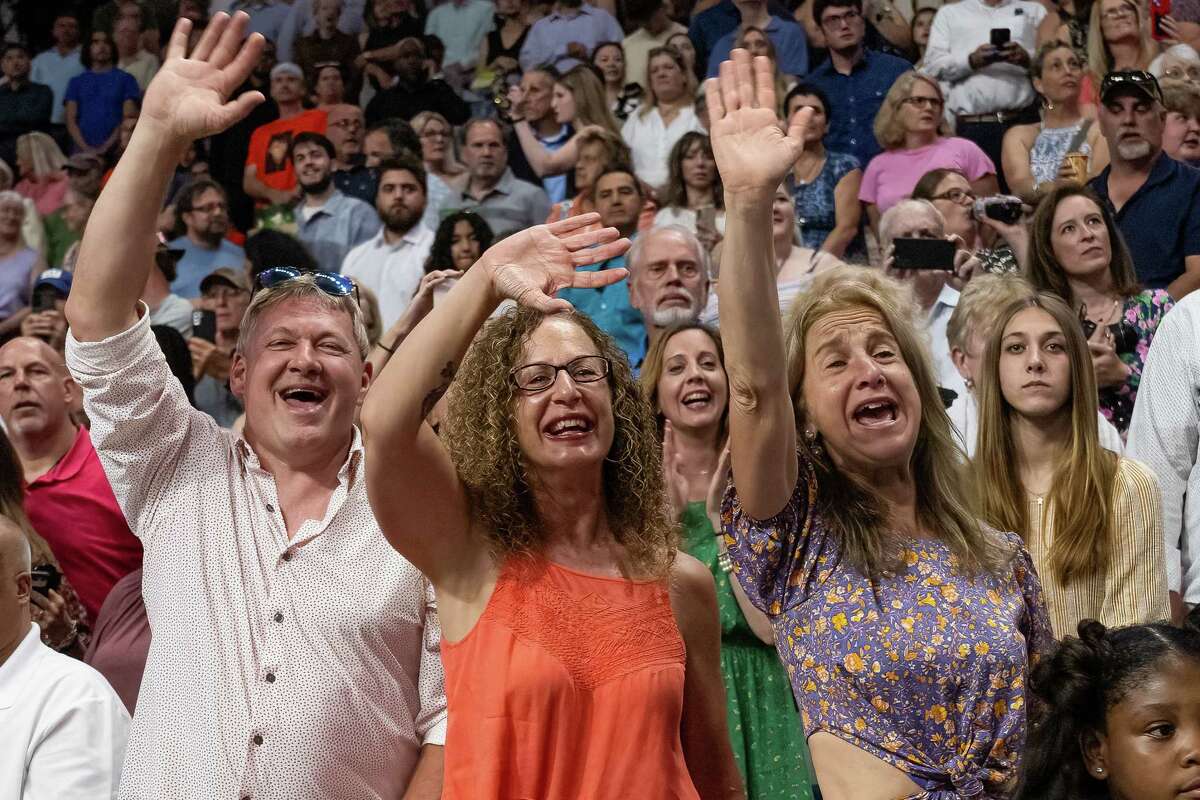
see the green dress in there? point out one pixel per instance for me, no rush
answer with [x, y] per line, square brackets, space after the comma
[764, 724]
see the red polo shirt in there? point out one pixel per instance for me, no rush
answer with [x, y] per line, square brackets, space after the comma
[73, 508]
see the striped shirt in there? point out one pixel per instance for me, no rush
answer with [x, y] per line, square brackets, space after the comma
[1133, 589]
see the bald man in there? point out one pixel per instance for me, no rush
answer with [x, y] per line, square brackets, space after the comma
[64, 727]
[68, 498]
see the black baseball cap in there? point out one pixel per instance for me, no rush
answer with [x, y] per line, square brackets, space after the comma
[1130, 81]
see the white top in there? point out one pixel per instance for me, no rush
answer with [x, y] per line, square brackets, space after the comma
[62, 728]
[392, 271]
[677, 215]
[279, 668]
[651, 141]
[1165, 436]
[944, 370]
[958, 30]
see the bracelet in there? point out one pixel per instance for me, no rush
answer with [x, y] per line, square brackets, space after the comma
[67, 640]
[724, 562]
[391, 351]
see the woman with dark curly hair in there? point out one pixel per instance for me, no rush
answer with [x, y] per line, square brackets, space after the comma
[580, 648]
[459, 241]
[1121, 716]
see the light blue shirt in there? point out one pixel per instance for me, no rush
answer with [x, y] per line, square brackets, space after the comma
[266, 16]
[791, 47]
[555, 185]
[56, 70]
[512, 205]
[198, 262]
[610, 308]
[461, 28]
[550, 35]
[334, 229]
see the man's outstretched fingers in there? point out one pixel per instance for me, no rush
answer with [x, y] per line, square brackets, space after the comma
[764, 82]
[539, 300]
[716, 106]
[573, 223]
[596, 255]
[177, 44]
[239, 69]
[230, 43]
[598, 279]
[210, 37]
[729, 92]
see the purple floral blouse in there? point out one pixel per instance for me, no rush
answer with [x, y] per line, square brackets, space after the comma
[923, 668]
[1142, 312]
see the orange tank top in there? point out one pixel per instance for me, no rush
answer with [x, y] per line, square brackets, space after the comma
[569, 687]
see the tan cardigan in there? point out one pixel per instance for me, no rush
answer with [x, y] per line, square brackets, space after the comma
[1134, 587]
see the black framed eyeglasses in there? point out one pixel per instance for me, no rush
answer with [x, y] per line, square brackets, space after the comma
[331, 283]
[534, 378]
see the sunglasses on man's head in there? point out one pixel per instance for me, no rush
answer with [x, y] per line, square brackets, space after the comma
[331, 283]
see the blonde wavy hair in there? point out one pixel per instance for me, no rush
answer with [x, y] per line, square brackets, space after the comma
[451, 165]
[1100, 61]
[591, 104]
[480, 434]
[889, 131]
[42, 154]
[854, 510]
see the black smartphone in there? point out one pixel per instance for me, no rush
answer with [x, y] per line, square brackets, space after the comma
[928, 254]
[43, 299]
[1000, 36]
[45, 577]
[204, 324]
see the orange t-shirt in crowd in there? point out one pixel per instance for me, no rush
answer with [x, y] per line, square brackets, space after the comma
[569, 686]
[269, 145]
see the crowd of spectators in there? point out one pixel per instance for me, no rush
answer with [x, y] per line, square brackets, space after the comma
[314, 319]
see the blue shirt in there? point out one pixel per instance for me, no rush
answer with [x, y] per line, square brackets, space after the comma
[855, 99]
[56, 70]
[556, 185]
[548, 38]
[100, 98]
[336, 228]
[791, 47]
[609, 307]
[1161, 221]
[198, 262]
[710, 25]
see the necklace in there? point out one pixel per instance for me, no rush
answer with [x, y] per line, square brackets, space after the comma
[812, 174]
[1106, 318]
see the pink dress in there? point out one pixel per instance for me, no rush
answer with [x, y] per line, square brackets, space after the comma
[891, 175]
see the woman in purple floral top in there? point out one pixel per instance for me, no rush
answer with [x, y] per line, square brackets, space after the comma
[1078, 254]
[907, 627]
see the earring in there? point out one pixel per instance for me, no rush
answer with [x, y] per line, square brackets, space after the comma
[970, 382]
[814, 446]
[1099, 769]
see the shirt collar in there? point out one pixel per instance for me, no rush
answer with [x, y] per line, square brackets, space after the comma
[947, 298]
[72, 461]
[21, 659]
[584, 9]
[349, 468]
[1161, 172]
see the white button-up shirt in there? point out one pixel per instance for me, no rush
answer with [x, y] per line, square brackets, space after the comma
[62, 727]
[392, 271]
[1165, 436]
[958, 30]
[651, 141]
[279, 668]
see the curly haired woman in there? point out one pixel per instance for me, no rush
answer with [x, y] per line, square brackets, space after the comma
[580, 649]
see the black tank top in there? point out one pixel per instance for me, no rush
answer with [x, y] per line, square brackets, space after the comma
[496, 48]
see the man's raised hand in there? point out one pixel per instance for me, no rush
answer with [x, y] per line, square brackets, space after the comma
[530, 266]
[189, 97]
[751, 147]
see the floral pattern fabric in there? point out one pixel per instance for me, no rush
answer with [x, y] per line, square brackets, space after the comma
[923, 667]
[1143, 312]
[816, 210]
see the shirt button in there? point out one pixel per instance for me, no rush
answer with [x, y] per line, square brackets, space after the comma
[258, 738]
[270, 677]
[279, 616]
[287, 555]
[270, 508]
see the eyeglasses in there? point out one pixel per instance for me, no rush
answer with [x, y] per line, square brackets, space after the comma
[211, 208]
[1140, 79]
[917, 101]
[835, 20]
[435, 134]
[955, 195]
[534, 378]
[222, 294]
[331, 283]
[1182, 73]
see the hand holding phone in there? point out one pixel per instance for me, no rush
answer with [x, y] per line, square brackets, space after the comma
[204, 324]
[923, 254]
[45, 577]
[1000, 37]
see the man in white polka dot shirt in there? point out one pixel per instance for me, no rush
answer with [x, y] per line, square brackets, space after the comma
[295, 654]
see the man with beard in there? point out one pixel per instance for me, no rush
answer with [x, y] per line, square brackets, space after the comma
[668, 278]
[204, 210]
[292, 681]
[392, 262]
[1156, 200]
[329, 222]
